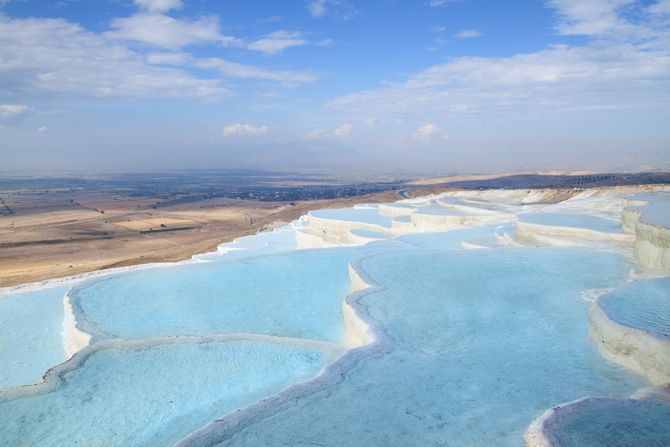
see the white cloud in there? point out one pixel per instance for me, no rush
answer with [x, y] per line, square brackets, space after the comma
[369, 123]
[339, 8]
[338, 133]
[153, 27]
[10, 110]
[53, 57]
[325, 43]
[317, 134]
[343, 131]
[589, 17]
[42, 129]
[159, 5]
[150, 26]
[48, 58]
[169, 59]
[234, 69]
[317, 8]
[277, 42]
[605, 74]
[426, 133]
[438, 3]
[467, 34]
[167, 32]
[660, 7]
[240, 129]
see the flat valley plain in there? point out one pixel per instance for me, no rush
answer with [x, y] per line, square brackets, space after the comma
[57, 226]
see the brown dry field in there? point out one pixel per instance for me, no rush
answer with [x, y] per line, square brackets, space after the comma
[50, 236]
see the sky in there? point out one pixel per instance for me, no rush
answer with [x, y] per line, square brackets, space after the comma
[425, 86]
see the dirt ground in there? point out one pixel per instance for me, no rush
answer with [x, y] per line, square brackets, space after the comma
[55, 235]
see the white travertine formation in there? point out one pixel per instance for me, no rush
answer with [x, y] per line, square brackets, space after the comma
[440, 222]
[357, 331]
[357, 282]
[467, 207]
[557, 236]
[634, 348]
[472, 246]
[541, 431]
[630, 217]
[536, 434]
[74, 339]
[395, 209]
[359, 239]
[505, 239]
[340, 230]
[402, 226]
[306, 240]
[506, 196]
[652, 246]
[652, 242]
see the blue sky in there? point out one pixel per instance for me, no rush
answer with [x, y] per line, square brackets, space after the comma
[401, 86]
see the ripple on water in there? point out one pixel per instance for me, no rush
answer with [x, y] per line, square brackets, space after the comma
[153, 395]
[481, 343]
[573, 221]
[612, 423]
[642, 304]
[30, 335]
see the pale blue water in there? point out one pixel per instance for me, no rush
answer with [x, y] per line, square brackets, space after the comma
[438, 210]
[153, 396]
[30, 335]
[573, 220]
[451, 239]
[451, 200]
[656, 211]
[298, 294]
[643, 304]
[471, 203]
[284, 238]
[368, 233]
[364, 215]
[403, 206]
[269, 242]
[481, 343]
[622, 423]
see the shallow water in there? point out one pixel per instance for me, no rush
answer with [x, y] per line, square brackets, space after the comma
[472, 203]
[153, 395]
[298, 294]
[453, 238]
[268, 242]
[643, 304]
[368, 234]
[368, 215]
[30, 335]
[438, 210]
[617, 424]
[476, 343]
[482, 342]
[573, 220]
[657, 211]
